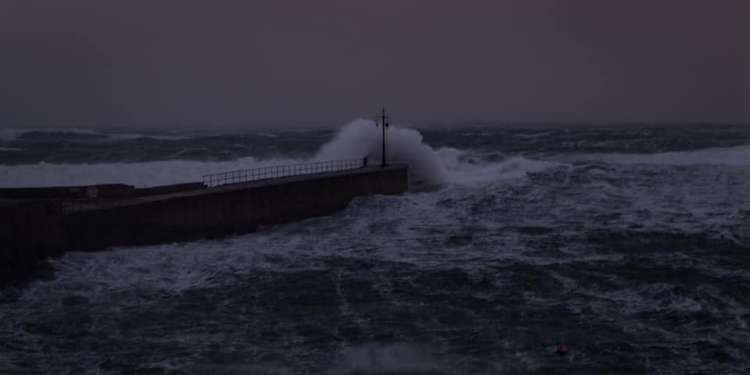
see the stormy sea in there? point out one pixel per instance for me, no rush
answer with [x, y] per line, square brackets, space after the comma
[630, 246]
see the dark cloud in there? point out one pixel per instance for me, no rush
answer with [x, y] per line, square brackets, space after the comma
[200, 63]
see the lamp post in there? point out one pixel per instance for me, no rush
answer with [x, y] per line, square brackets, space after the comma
[384, 123]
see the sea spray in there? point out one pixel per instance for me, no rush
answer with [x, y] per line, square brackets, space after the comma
[361, 138]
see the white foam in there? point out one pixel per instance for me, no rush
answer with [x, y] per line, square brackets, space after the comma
[460, 172]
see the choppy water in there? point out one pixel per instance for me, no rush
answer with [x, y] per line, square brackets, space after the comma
[632, 246]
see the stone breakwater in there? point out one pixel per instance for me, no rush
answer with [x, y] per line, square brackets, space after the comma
[37, 223]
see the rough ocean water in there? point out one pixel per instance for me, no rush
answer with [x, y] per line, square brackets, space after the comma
[630, 245]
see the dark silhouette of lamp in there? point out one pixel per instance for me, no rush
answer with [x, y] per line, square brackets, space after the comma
[384, 123]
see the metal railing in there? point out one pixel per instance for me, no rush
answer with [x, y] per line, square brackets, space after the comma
[262, 173]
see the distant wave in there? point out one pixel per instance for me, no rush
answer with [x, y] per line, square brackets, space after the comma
[12, 134]
[534, 135]
[163, 137]
[85, 135]
[731, 156]
[267, 135]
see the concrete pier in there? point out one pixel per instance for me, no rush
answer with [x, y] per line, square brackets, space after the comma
[32, 230]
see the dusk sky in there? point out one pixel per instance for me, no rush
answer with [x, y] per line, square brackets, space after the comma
[232, 62]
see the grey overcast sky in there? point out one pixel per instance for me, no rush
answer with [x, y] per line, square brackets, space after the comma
[228, 62]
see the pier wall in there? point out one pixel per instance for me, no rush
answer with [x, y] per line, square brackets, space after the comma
[29, 231]
[189, 215]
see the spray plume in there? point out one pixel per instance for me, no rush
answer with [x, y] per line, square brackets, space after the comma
[361, 138]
